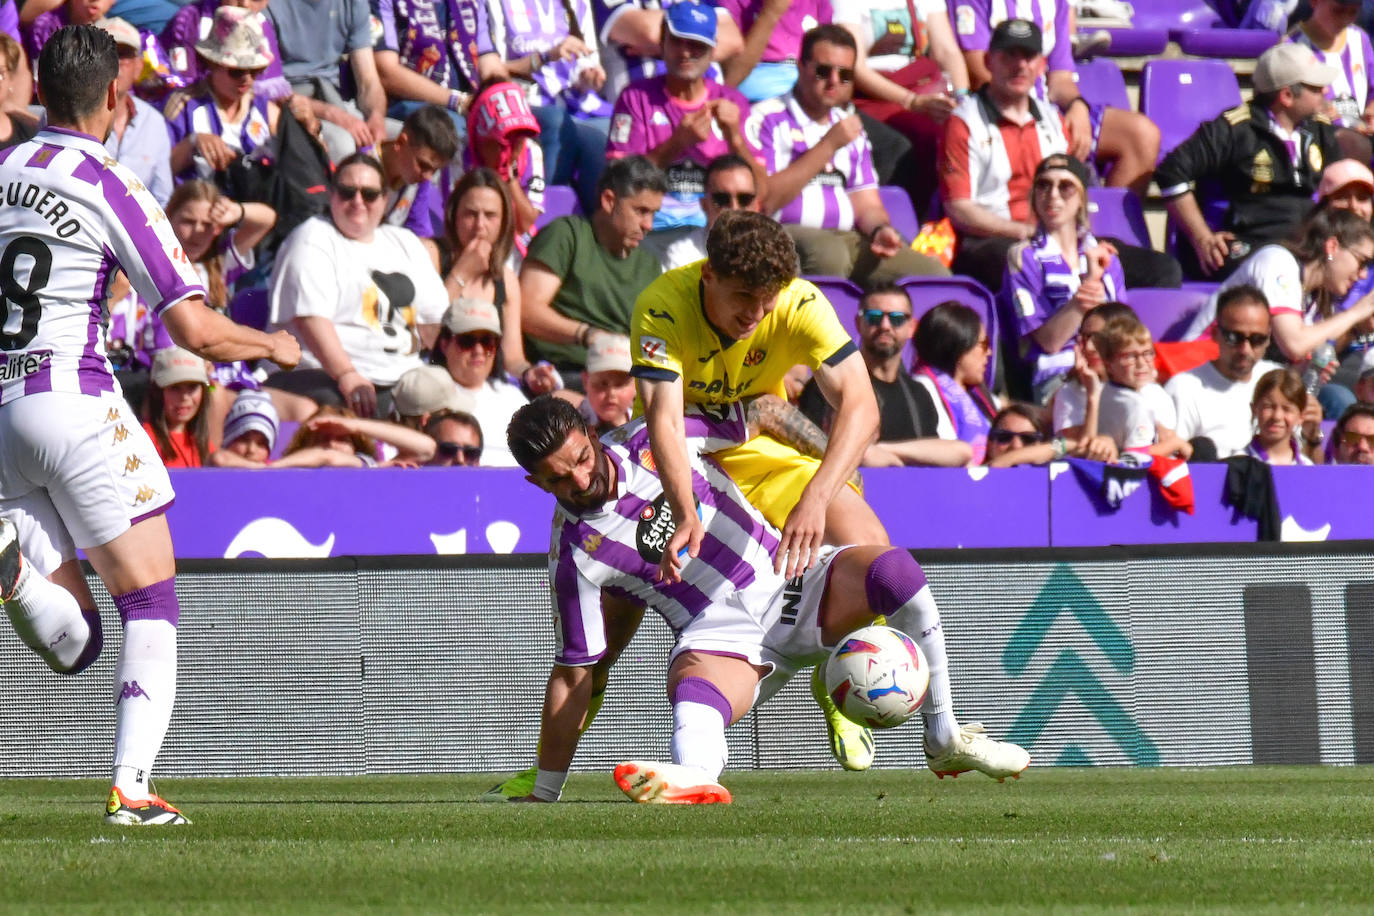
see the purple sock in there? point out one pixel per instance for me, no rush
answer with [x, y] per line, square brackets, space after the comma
[700, 690]
[892, 580]
[153, 602]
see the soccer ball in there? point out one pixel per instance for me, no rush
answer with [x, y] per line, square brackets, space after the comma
[877, 676]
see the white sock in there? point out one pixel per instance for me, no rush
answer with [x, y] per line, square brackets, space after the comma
[699, 737]
[47, 619]
[145, 688]
[919, 618]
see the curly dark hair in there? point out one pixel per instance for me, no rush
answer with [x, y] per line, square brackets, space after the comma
[749, 246]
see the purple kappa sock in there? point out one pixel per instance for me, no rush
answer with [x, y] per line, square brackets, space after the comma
[892, 580]
[700, 690]
[154, 602]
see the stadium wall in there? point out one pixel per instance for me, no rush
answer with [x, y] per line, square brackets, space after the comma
[1173, 656]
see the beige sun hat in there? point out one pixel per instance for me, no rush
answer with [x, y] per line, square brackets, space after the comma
[236, 39]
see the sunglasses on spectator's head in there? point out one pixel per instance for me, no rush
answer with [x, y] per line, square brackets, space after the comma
[470, 453]
[1236, 338]
[727, 199]
[1007, 436]
[478, 339]
[874, 317]
[824, 71]
[347, 191]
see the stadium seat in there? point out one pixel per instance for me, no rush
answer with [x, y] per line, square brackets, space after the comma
[1101, 83]
[251, 307]
[844, 295]
[1167, 312]
[1174, 16]
[559, 200]
[1178, 95]
[900, 211]
[1136, 42]
[1222, 42]
[1116, 213]
[928, 292]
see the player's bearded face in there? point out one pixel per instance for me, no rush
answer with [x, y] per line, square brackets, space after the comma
[578, 473]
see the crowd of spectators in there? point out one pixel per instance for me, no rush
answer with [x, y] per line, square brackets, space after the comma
[374, 179]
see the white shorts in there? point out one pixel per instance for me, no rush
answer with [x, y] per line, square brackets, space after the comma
[783, 632]
[76, 471]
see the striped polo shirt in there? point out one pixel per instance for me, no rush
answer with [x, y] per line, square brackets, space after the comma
[782, 132]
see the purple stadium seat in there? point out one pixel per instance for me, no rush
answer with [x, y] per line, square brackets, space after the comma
[928, 292]
[1136, 42]
[900, 211]
[844, 295]
[1116, 212]
[1221, 42]
[1174, 16]
[559, 200]
[1101, 83]
[251, 307]
[1178, 95]
[1167, 312]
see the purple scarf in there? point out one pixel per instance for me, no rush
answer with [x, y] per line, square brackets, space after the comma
[968, 411]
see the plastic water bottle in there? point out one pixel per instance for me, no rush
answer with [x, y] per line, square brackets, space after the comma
[1323, 356]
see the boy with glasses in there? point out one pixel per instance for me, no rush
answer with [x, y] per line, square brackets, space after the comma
[1134, 410]
[1213, 400]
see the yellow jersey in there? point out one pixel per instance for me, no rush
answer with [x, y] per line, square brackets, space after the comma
[671, 338]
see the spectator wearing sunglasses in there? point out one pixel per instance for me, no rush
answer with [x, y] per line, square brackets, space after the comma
[457, 438]
[952, 353]
[469, 347]
[1303, 281]
[360, 296]
[196, 20]
[138, 133]
[1355, 435]
[222, 117]
[1058, 275]
[821, 181]
[730, 185]
[681, 121]
[1213, 400]
[907, 418]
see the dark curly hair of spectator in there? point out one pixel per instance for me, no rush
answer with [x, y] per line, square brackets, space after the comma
[751, 247]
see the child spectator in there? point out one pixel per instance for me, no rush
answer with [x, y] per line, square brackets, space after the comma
[501, 128]
[338, 437]
[174, 412]
[250, 433]
[1133, 409]
[1071, 400]
[610, 390]
[1280, 409]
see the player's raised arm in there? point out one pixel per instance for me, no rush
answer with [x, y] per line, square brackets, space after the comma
[663, 407]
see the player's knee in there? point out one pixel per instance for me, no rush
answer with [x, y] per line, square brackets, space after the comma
[95, 642]
[892, 580]
[153, 602]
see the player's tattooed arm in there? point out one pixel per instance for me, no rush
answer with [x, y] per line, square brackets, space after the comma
[768, 413]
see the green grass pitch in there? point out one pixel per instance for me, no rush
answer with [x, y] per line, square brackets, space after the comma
[1239, 840]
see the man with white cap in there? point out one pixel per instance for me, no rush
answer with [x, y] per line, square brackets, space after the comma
[138, 136]
[1267, 156]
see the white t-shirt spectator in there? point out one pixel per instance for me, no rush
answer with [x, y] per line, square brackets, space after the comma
[376, 294]
[1277, 274]
[1212, 405]
[1071, 405]
[495, 402]
[1130, 416]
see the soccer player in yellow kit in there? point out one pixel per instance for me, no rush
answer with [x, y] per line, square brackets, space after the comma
[731, 327]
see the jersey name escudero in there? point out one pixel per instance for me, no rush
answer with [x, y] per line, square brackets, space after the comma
[70, 216]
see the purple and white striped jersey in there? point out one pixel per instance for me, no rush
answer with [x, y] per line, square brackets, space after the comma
[71, 217]
[1350, 92]
[522, 27]
[782, 132]
[974, 21]
[618, 546]
[623, 67]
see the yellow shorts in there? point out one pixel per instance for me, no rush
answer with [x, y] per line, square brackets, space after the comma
[771, 474]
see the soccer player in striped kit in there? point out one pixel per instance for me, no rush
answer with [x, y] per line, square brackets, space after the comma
[735, 646]
[76, 469]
